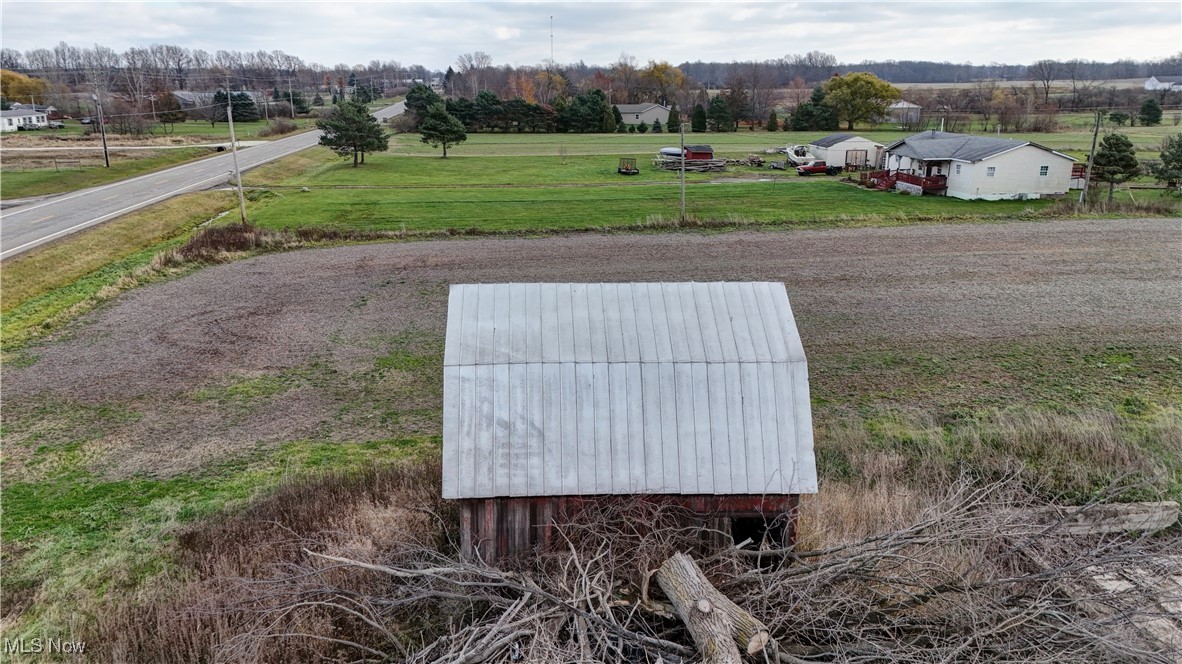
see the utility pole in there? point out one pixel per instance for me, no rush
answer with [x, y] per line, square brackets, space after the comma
[683, 172]
[234, 150]
[290, 99]
[102, 128]
[1091, 156]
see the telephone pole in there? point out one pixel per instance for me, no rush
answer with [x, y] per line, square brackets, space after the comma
[102, 128]
[234, 150]
[1091, 156]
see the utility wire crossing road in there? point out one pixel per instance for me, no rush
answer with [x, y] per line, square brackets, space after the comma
[27, 226]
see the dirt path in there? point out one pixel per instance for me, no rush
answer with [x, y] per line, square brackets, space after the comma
[321, 319]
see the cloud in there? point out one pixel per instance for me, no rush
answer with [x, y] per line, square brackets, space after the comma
[435, 33]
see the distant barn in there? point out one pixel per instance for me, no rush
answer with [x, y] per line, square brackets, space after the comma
[694, 394]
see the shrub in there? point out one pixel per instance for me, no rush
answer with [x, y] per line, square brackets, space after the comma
[278, 127]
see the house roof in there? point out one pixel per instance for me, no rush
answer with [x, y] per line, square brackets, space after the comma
[20, 113]
[639, 108]
[904, 104]
[831, 140]
[34, 107]
[1168, 79]
[595, 389]
[941, 146]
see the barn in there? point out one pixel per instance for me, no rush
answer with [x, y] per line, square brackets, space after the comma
[694, 394]
[848, 151]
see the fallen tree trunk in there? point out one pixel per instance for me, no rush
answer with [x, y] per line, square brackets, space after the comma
[719, 626]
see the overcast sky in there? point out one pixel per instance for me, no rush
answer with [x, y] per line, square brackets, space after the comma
[518, 33]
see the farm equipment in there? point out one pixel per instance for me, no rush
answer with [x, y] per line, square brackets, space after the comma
[628, 166]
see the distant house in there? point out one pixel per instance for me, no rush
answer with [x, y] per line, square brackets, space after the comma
[14, 119]
[635, 114]
[976, 167]
[904, 112]
[49, 111]
[1163, 83]
[847, 150]
[189, 99]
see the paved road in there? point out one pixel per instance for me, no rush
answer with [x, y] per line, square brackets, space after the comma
[25, 227]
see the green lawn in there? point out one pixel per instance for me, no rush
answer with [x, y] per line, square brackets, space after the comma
[493, 208]
[245, 131]
[43, 181]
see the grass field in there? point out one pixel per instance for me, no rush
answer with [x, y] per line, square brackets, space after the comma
[105, 493]
[22, 183]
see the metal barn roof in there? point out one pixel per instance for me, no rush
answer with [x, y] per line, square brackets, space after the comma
[583, 389]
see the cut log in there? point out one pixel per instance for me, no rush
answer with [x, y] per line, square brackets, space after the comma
[1111, 518]
[719, 626]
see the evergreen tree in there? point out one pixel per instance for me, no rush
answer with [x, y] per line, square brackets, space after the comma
[773, 122]
[487, 109]
[419, 99]
[441, 128]
[1169, 170]
[642, 128]
[657, 126]
[352, 79]
[719, 115]
[335, 100]
[1118, 118]
[814, 114]
[318, 100]
[631, 129]
[349, 129]
[1150, 113]
[622, 128]
[673, 122]
[1115, 162]
[618, 116]
[698, 121]
[275, 93]
[608, 125]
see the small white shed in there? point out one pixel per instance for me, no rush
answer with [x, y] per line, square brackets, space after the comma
[848, 151]
[690, 393]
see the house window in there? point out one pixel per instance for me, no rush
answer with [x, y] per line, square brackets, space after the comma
[638, 117]
[991, 171]
[1043, 170]
[958, 169]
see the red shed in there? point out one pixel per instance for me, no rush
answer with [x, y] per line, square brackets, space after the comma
[699, 152]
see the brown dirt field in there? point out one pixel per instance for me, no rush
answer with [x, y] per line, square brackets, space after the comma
[314, 344]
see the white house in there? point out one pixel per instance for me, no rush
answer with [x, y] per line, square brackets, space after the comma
[977, 167]
[14, 119]
[847, 150]
[1163, 83]
[635, 114]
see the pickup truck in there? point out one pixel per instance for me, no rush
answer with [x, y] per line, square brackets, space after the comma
[817, 167]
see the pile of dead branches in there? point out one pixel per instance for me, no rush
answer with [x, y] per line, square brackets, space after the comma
[975, 578]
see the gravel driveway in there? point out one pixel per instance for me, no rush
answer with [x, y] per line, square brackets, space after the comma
[338, 309]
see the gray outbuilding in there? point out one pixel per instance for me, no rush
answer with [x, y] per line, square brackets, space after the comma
[694, 394]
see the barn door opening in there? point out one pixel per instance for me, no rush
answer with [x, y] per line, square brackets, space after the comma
[759, 529]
